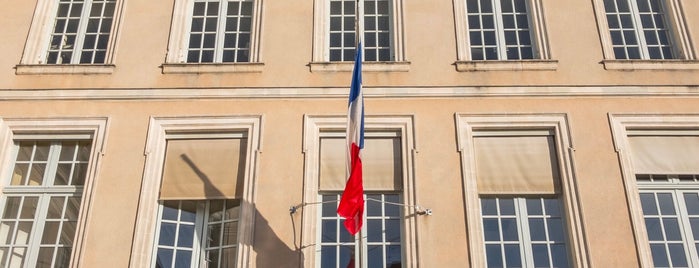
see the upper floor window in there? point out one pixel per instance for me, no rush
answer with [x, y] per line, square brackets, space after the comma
[81, 32]
[499, 30]
[335, 31]
[214, 31]
[501, 35]
[644, 34]
[375, 20]
[220, 31]
[639, 29]
[71, 32]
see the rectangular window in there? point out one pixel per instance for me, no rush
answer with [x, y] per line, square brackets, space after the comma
[200, 200]
[668, 185]
[671, 217]
[523, 232]
[197, 233]
[220, 31]
[81, 31]
[639, 29]
[388, 234]
[41, 202]
[520, 231]
[500, 30]
[520, 199]
[381, 233]
[375, 22]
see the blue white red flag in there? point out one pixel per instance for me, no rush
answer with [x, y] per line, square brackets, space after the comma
[351, 205]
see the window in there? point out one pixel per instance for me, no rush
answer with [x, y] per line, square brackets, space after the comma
[522, 214]
[76, 32]
[541, 241]
[381, 233]
[653, 31]
[41, 203]
[214, 31]
[658, 154]
[639, 29]
[196, 202]
[380, 21]
[500, 31]
[220, 31]
[197, 233]
[47, 180]
[387, 237]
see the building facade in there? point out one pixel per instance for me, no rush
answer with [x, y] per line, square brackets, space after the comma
[210, 133]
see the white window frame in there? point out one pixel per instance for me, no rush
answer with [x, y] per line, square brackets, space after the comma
[317, 126]
[176, 59]
[467, 124]
[163, 128]
[659, 123]
[38, 40]
[543, 55]
[679, 33]
[321, 42]
[93, 128]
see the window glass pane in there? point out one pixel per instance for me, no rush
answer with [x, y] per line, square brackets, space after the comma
[375, 256]
[507, 207]
[185, 237]
[328, 256]
[374, 230]
[541, 255]
[45, 257]
[11, 207]
[648, 204]
[537, 230]
[167, 234]
[659, 256]
[183, 258]
[512, 256]
[667, 206]
[509, 230]
[230, 233]
[677, 255]
[493, 255]
[228, 257]
[491, 230]
[164, 258]
[29, 208]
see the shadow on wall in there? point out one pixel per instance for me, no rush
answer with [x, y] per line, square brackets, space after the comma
[270, 249]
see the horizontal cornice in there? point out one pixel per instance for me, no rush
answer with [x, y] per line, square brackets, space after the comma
[341, 92]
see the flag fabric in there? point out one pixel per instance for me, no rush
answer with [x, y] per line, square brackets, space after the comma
[351, 205]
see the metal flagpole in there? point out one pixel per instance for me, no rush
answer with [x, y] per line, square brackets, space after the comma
[359, 245]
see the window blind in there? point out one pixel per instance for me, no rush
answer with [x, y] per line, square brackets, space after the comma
[197, 169]
[381, 164]
[665, 154]
[516, 164]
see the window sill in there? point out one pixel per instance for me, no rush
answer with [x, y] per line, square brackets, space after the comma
[506, 65]
[347, 66]
[64, 69]
[630, 65]
[196, 68]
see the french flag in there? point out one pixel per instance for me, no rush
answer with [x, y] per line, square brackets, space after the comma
[351, 205]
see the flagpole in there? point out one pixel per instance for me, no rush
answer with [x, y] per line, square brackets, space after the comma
[359, 254]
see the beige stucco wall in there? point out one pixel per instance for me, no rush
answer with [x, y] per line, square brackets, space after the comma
[286, 38]
[432, 90]
[442, 236]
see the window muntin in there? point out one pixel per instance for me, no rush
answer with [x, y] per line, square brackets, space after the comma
[375, 22]
[670, 205]
[220, 31]
[381, 233]
[184, 223]
[499, 30]
[523, 232]
[639, 29]
[81, 32]
[41, 203]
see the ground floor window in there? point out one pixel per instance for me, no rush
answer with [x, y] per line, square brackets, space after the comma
[671, 214]
[197, 233]
[523, 232]
[378, 244]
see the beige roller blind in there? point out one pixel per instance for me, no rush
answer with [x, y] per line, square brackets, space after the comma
[381, 164]
[665, 154]
[516, 164]
[199, 169]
